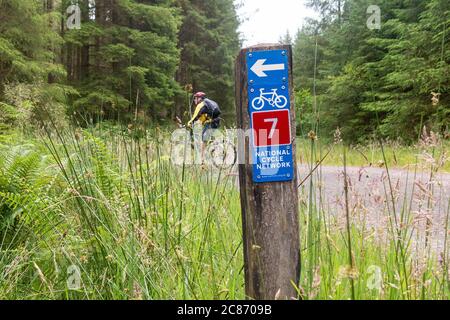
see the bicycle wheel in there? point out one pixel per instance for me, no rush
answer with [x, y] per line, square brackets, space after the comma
[258, 103]
[222, 155]
[281, 102]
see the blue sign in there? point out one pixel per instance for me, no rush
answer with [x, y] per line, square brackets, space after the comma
[273, 164]
[268, 67]
[269, 108]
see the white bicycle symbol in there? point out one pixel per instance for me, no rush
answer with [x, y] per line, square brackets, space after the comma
[273, 98]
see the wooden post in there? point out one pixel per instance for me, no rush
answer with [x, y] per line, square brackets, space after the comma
[270, 209]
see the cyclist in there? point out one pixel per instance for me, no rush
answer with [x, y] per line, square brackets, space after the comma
[208, 113]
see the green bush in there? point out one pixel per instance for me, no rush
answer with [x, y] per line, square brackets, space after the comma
[8, 117]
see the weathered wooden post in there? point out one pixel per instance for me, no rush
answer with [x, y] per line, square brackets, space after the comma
[267, 171]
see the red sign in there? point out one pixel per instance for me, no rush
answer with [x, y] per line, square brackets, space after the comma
[271, 128]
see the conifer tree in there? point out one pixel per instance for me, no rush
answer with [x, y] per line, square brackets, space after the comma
[209, 43]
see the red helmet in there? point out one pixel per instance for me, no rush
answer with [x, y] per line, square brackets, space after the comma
[200, 95]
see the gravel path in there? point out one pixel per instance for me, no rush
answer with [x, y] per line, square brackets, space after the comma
[425, 199]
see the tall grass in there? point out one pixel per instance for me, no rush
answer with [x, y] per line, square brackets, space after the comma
[135, 225]
[112, 204]
[398, 156]
[375, 252]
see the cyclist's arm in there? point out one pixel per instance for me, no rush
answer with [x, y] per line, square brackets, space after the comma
[199, 111]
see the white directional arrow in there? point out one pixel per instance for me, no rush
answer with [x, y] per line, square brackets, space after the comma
[259, 68]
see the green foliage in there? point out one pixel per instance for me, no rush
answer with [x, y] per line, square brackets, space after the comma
[209, 44]
[35, 102]
[131, 217]
[304, 104]
[24, 187]
[128, 58]
[27, 64]
[389, 82]
[139, 227]
[26, 42]
[8, 117]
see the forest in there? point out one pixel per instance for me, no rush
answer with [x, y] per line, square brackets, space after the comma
[124, 60]
[391, 81]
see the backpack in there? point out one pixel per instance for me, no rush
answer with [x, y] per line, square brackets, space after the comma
[213, 108]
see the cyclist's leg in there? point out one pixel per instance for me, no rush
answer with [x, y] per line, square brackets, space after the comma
[206, 137]
[206, 134]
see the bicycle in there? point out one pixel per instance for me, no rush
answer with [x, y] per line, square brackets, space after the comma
[221, 151]
[275, 100]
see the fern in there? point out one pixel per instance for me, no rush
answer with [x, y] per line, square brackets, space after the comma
[22, 194]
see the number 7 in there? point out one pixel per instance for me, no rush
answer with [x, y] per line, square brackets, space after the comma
[274, 126]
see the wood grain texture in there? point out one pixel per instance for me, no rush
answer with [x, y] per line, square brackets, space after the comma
[269, 210]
